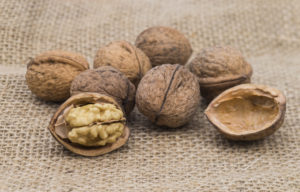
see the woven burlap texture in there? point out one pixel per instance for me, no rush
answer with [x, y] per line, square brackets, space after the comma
[193, 158]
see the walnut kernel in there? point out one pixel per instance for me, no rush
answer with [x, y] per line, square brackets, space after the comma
[90, 124]
[85, 128]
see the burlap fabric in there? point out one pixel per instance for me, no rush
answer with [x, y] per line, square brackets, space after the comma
[193, 158]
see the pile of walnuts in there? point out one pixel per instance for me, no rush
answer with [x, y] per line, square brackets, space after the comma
[154, 75]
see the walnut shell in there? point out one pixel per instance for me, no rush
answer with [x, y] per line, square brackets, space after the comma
[247, 111]
[81, 99]
[219, 68]
[168, 95]
[108, 81]
[49, 75]
[164, 45]
[126, 58]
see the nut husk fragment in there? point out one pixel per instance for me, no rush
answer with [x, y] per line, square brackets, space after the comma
[108, 81]
[58, 128]
[49, 75]
[247, 111]
[164, 45]
[219, 68]
[125, 57]
[168, 95]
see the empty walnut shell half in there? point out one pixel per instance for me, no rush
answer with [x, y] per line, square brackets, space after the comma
[125, 57]
[247, 111]
[49, 75]
[90, 124]
[164, 45]
[219, 68]
[108, 81]
[168, 95]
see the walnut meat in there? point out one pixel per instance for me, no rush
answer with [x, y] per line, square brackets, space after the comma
[86, 128]
[126, 58]
[247, 111]
[164, 45]
[90, 124]
[49, 75]
[218, 69]
[168, 95]
[108, 81]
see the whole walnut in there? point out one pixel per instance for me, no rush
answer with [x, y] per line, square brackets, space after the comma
[219, 68]
[126, 58]
[49, 75]
[108, 81]
[168, 95]
[164, 45]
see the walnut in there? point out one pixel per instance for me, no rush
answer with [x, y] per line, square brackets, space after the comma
[247, 111]
[108, 81]
[219, 68]
[49, 75]
[164, 45]
[90, 124]
[168, 95]
[86, 128]
[126, 58]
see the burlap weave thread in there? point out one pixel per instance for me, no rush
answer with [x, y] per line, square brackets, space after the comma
[194, 158]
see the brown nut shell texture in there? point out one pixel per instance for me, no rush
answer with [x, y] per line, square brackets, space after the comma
[126, 58]
[247, 111]
[219, 68]
[108, 81]
[168, 95]
[89, 124]
[49, 75]
[164, 45]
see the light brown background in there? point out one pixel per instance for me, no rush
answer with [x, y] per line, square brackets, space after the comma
[193, 158]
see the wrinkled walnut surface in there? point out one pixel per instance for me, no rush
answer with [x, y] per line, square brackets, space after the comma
[164, 45]
[90, 124]
[168, 95]
[125, 57]
[49, 75]
[108, 81]
[220, 68]
[247, 112]
[220, 64]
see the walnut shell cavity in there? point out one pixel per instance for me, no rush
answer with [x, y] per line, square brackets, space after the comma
[219, 68]
[108, 81]
[164, 45]
[168, 95]
[126, 58]
[247, 111]
[81, 99]
[49, 75]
